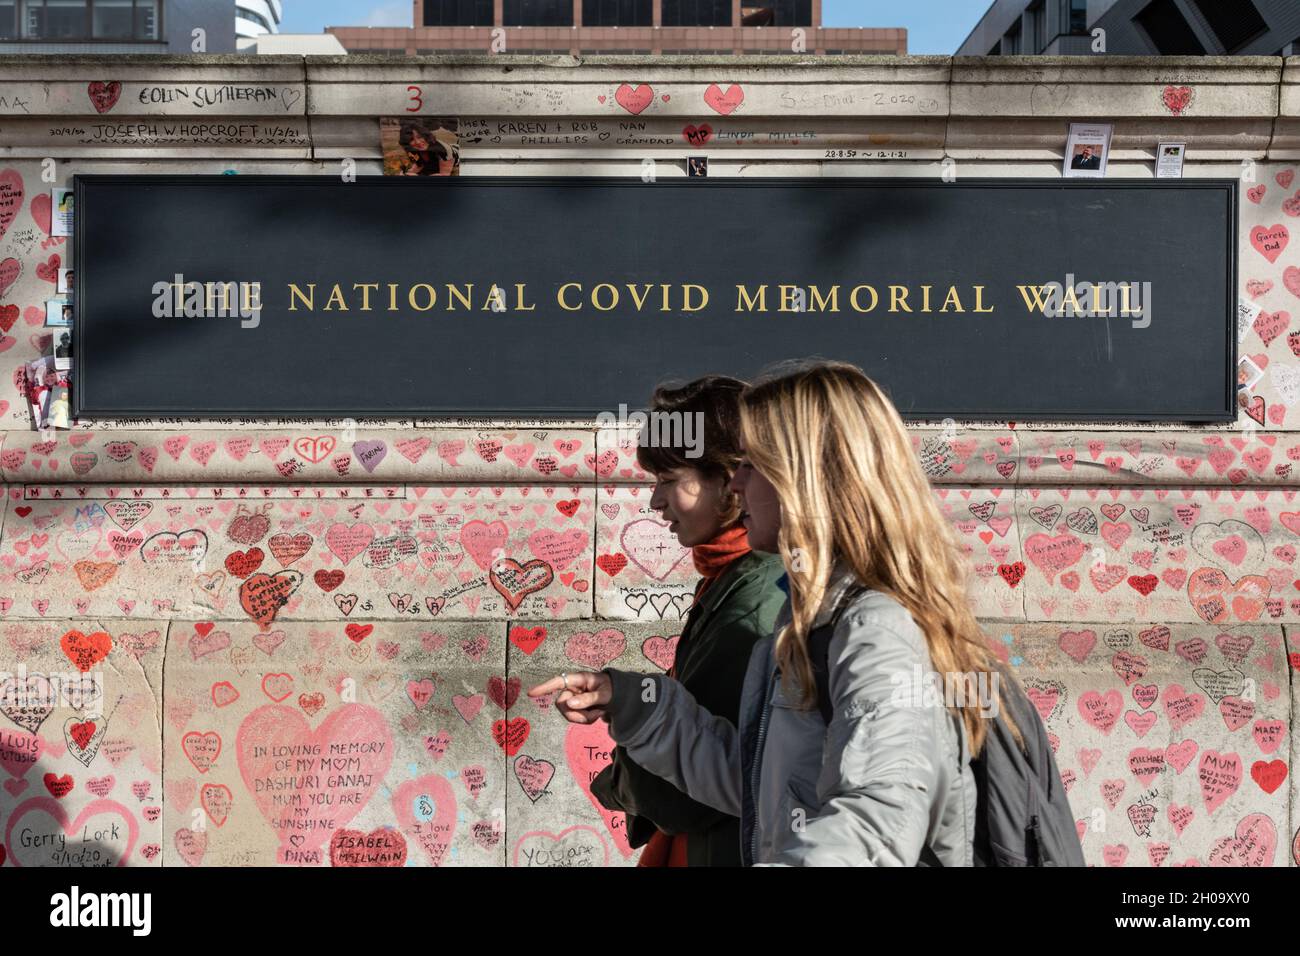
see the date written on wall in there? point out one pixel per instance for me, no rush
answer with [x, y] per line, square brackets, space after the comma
[811, 100]
[866, 154]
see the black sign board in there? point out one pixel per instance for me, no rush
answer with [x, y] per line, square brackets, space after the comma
[265, 296]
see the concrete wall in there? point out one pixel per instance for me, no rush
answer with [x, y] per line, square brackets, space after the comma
[1157, 648]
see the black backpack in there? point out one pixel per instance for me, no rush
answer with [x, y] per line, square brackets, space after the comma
[1022, 816]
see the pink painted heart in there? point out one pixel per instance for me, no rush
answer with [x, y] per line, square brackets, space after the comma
[10, 270]
[104, 828]
[650, 546]
[11, 201]
[1180, 755]
[1077, 644]
[634, 99]
[724, 102]
[42, 206]
[1291, 279]
[588, 748]
[1220, 776]
[483, 541]
[1254, 843]
[595, 651]
[1101, 710]
[1180, 706]
[1270, 241]
[660, 651]
[272, 730]
[1051, 555]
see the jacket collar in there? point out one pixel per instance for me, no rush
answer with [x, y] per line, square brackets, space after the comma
[722, 587]
[841, 581]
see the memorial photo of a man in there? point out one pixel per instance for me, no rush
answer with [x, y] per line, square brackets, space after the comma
[1087, 156]
[63, 350]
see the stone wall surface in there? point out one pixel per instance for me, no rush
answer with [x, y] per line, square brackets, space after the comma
[303, 642]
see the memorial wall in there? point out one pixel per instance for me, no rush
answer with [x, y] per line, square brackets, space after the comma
[270, 639]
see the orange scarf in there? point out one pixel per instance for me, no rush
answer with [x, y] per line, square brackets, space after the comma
[711, 559]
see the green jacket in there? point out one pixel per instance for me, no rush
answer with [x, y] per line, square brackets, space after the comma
[736, 611]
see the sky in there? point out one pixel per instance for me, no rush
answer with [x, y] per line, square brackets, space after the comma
[933, 26]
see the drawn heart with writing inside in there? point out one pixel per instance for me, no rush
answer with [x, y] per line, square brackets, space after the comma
[534, 776]
[1217, 598]
[650, 546]
[11, 202]
[382, 846]
[1253, 844]
[1178, 98]
[28, 702]
[595, 651]
[515, 581]
[725, 103]
[104, 95]
[273, 730]
[634, 99]
[589, 749]
[105, 830]
[10, 270]
[698, 135]
[1269, 241]
[263, 595]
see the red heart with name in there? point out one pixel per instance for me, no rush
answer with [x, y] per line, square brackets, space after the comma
[724, 103]
[1178, 98]
[104, 95]
[698, 135]
[634, 99]
[515, 581]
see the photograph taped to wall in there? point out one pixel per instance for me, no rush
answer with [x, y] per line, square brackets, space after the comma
[48, 393]
[62, 346]
[420, 145]
[61, 202]
[1087, 149]
[1169, 160]
[1248, 373]
[58, 312]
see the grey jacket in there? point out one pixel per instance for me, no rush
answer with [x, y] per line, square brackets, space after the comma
[889, 778]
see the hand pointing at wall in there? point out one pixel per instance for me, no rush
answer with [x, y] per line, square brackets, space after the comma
[583, 695]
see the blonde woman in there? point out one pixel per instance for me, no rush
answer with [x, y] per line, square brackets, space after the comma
[875, 585]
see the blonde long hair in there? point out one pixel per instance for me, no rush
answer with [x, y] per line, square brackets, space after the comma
[851, 489]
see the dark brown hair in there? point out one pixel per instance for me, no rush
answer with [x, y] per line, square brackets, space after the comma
[716, 399]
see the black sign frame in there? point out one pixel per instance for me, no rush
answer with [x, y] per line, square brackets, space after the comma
[1227, 412]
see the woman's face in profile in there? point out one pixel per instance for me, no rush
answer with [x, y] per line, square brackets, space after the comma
[690, 503]
[760, 509]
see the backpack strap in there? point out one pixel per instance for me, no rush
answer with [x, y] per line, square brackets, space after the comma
[819, 646]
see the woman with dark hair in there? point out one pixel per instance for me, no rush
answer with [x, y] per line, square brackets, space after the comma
[736, 603]
[834, 761]
[428, 156]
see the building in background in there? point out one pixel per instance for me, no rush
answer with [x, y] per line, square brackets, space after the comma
[592, 27]
[255, 19]
[295, 44]
[114, 26]
[1138, 27]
